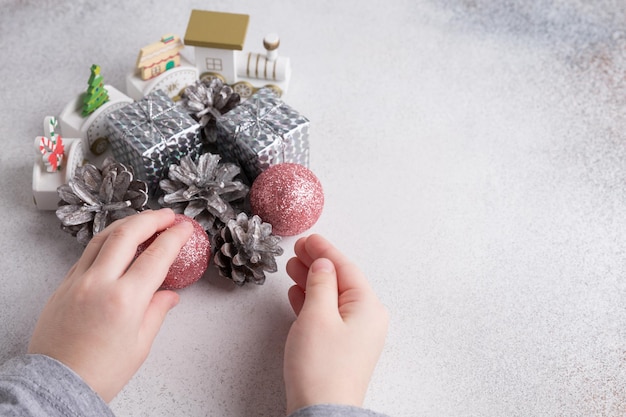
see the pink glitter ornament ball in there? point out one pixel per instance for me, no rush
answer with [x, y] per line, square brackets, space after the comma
[192, 260]
[289, 197]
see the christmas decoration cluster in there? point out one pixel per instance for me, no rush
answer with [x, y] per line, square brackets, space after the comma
[199, 153]
[197, 183]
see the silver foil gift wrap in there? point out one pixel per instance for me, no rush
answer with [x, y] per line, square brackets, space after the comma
[261, 132]
[152, 134]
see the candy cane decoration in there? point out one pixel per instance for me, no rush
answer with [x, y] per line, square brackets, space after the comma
[51, 148]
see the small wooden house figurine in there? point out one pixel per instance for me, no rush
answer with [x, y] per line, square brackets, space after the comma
[159, 57]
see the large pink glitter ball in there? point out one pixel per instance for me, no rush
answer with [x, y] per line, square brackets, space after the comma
[289, 197]
[192, 260]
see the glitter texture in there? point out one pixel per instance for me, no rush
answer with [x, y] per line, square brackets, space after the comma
[192, 260]
[289, 197]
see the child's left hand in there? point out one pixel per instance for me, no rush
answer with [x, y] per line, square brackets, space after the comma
[104, 316]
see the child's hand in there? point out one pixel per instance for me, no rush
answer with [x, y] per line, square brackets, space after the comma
[335, 342]
[104, 316]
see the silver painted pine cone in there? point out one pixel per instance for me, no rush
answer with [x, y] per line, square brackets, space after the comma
[245, 249]
[95, 198]
[204, 191]
[206, 100]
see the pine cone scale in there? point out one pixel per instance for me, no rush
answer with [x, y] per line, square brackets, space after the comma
[82, 192]
[136, 198]
[121, 184]
[194, 208]
[99, 221]
[66, 194]
[91, 177]
[106, 190]
[73, 215]
[115, 206]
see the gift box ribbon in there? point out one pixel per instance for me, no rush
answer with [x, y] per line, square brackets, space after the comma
[261, 122]
[151, 123]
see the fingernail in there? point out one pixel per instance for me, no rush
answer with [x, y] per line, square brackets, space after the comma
[183, 225]
[322, 265]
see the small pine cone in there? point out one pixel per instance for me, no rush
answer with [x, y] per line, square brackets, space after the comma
[206, 100]
[245, 249]
[205, 191]
[95, 198]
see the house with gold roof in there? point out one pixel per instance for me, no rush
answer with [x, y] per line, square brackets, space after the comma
[218, 39]
[216, 36]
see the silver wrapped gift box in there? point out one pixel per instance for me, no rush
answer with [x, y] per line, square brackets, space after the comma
[151, 134]
[261, 132]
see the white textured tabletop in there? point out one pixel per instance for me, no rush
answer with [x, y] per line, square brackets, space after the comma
[473, 161]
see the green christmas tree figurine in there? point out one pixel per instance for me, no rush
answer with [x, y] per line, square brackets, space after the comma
[96, 94]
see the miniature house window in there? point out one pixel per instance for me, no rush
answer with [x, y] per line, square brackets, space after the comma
[155, 70]
[214, 64]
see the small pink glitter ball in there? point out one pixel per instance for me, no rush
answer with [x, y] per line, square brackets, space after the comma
[289, 197]
[192, 260]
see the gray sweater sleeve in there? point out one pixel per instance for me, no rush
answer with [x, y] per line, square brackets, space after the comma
[331, 410]
[37, 385]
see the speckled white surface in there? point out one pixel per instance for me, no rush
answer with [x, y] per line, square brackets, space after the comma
[473, 158]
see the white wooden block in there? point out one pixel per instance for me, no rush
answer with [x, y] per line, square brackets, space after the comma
[93, 128]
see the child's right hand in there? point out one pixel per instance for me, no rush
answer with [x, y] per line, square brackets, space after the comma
[104, 316]
[334, 344]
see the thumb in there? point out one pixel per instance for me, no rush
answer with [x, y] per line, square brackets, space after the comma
[162, 302]
[321, 288]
